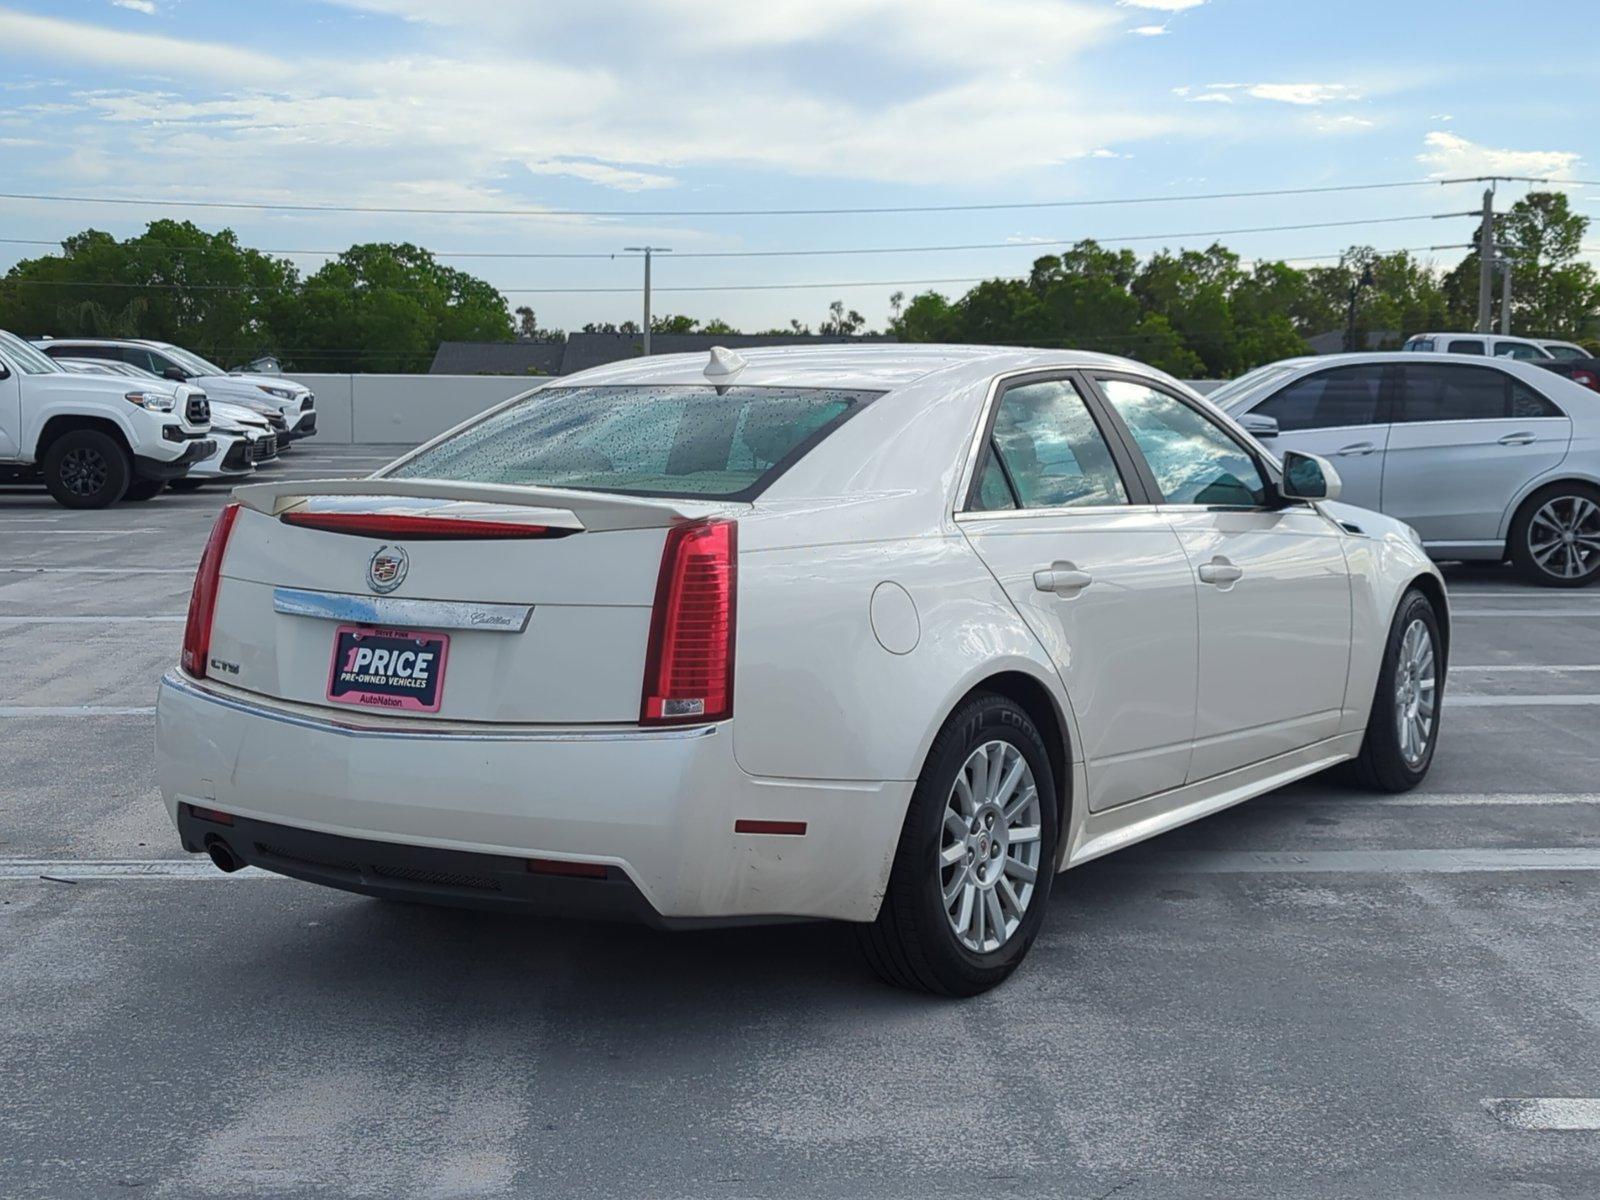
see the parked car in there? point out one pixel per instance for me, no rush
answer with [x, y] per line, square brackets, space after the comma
[1487, 460]
[293, 401]
[1580, 370]
[883, 634]
[1492, 345]
[1562, 351]
[92, 440]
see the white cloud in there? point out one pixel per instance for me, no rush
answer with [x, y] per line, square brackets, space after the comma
[1171, 6]
[1341, 123]
[1149, 30]
[1302, 93]
[147, 7]
[1449, 155]
[74, 41]
[604, 174]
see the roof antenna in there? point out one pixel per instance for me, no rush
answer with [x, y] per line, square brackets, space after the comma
[724, 363]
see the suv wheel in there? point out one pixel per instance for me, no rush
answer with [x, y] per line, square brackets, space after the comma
[972, 871]
[87, 469]
[1555, 539]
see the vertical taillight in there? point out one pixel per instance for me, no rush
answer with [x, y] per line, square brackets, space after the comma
[688, 670]
[203, 600]
[1588, 378]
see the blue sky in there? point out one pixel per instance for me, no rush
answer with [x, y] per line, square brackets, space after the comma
[714, 104]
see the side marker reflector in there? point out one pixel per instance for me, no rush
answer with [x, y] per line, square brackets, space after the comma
[786, 828]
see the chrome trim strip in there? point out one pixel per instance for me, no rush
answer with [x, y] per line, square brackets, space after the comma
[523, 733]
[393, 610]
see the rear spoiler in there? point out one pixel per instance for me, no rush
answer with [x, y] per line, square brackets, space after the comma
[558, 508]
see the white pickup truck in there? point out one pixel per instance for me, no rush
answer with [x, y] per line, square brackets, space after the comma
[94, 440]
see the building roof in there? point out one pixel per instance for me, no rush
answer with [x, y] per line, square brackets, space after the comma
[497, 358]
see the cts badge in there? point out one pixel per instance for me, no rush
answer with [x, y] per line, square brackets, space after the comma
[386, 570]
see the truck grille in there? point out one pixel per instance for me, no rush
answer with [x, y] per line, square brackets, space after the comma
[197, 411]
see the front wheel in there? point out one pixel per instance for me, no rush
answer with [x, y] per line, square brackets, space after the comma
[1555, 538]
[976, 856]
[87, 469]
[144, 489]
[1404, 726]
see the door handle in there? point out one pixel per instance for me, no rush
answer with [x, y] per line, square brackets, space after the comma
[1220, 572]
[1062, 578]
[1518, 439]
[1357, 448]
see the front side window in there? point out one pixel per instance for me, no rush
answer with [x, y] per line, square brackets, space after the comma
[1460, 393]
[1566, 353]
[1053, 453]
[25, 358]
[1194, 460]
[1465, 346]
[1328, 400]
[692, 441]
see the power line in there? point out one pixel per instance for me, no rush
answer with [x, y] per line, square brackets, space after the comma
[269, 206]
[829, 251]
[716, 287]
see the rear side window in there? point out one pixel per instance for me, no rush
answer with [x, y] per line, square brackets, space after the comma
[1451, 393]
[1052, 452]
[718, 443]
[1328, 400]
[1465, 346]
[1521, 351]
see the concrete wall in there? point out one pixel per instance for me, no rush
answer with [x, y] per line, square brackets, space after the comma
[403, 408]
[412, 408]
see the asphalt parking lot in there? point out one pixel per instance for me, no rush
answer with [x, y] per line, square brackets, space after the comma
[1317, 994]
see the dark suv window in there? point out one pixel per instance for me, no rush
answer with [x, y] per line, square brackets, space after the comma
[1465, 346]
[1451, 393]
[55, 351]
[1328, 400]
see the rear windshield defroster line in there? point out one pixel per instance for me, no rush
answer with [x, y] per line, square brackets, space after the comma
[686, 441]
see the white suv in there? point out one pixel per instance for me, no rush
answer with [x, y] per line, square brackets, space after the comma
[93, 441]
[1493, 345]
[293, 400]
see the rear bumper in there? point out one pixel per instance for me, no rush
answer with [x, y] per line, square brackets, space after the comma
[656, 807]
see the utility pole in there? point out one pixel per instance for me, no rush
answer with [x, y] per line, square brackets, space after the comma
[1486, 260]
[1505, 297]
[647, 251]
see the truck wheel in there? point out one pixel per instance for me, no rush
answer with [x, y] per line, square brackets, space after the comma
[144, 489]
[87, 469]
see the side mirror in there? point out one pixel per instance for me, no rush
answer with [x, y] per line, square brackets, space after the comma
[1259, 425]
[176, 374]
[1309, 477]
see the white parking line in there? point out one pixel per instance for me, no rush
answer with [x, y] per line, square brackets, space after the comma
[1462, 799]
[98, 571]
[1576, 700]
[1524, 668]
[72, 870]
[77, 710]
[7, 527]
[1548, 1113]
[1519, 613]
[1364, 862]
[117, 619]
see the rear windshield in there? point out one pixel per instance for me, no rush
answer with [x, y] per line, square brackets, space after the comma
[719, 443]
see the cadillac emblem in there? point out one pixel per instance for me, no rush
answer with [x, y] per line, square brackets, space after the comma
[387, 568]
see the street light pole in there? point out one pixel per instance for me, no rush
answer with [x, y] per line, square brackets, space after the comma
[1505, 297]
[1486, 261]
[647, 251]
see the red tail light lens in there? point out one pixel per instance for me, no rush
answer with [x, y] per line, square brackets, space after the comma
[418, 529]
[688, 672]
[1588, 378]
[203, 600]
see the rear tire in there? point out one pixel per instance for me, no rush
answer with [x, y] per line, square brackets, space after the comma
[1403, 729]
[1555, 536]
[977, 850]
[144, 489]
[87, 469]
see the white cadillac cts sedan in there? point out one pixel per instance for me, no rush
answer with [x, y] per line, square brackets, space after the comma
[888, 634]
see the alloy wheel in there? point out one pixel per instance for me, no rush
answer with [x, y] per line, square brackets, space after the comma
[1415, 692]
[84, 470]
[1564, 537]
[989, 847]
